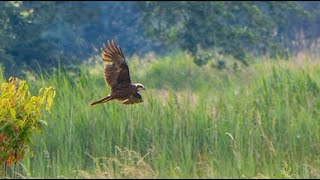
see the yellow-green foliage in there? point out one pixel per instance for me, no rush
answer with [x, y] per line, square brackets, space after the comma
[20, 114]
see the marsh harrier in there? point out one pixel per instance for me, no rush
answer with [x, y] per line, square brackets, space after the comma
[117, 77]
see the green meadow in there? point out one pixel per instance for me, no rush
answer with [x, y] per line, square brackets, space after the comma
[260, 121]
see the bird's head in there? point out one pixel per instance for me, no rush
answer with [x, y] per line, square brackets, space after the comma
[139, 86]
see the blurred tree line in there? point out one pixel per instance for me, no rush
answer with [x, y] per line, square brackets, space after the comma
[235, 28]
[34, 34]
[43, 34]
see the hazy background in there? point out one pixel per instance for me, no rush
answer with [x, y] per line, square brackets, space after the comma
[45, 33]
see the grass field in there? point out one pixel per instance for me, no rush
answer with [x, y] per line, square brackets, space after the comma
[261, 121]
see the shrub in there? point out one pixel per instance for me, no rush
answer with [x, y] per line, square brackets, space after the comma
[20, 114]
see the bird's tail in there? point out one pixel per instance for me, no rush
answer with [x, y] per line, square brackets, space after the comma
[103, 100]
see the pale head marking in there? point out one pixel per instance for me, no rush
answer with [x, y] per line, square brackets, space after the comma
[139, 86]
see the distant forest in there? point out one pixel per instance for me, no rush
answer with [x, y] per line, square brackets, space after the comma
[44, 34]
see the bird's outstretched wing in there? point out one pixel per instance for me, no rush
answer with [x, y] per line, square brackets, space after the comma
[116, 70]
[135, 98]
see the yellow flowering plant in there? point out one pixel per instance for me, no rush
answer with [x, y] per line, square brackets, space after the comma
[20, 114]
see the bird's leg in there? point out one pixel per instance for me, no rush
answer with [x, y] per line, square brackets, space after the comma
[126, 101]
[132, 100]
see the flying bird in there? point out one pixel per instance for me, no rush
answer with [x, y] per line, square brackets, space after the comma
[117, 77]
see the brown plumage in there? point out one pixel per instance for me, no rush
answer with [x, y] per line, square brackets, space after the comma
[117, 77]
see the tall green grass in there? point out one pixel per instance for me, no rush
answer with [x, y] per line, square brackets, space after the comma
[195, 122]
